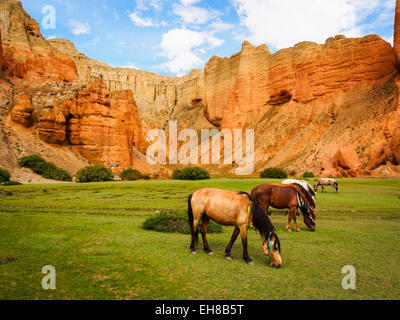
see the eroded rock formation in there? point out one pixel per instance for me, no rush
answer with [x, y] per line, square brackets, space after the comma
[345, 163]
[254, 79]
[28, 56]
[314, 103]
[22, 112]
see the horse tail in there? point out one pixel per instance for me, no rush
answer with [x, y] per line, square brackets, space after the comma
[195, 233]
[260, 220]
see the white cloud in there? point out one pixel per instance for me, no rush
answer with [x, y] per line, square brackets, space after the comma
[128, 65]
[145, 22]
[184, 48]
[78, 28]
[193, 14]
[189, 2]
[220, 26]
[141, 22]
[155, 4]
[116, 15]
[93, 43]
[283, 23]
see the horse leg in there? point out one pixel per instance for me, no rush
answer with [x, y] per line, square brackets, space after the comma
[243, 233]
[228, 249]
[195, 235]
[293, 214]
[204, 227]
[268, 211]
[289, 223]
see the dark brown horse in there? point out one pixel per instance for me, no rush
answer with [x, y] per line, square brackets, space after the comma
[285, 197]
[232, 209]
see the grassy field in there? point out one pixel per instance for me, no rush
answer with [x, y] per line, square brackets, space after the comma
[92, 235]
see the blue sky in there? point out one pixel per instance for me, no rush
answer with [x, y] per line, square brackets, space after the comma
[174, 36]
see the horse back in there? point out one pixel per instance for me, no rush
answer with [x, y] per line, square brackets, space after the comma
[223, 206]
[279, 196]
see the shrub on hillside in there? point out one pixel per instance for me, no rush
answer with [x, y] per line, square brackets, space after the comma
[45, 169]
[95, 173]
[175, 222]
[308, 175]
[131, 175]
[4, 175]
[273, 173]
[193, 173]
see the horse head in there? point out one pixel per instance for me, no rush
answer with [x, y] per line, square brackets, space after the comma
[272, 249]
[271, 245]
[309, 217]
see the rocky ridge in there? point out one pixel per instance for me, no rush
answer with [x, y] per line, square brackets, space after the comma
[329, 108]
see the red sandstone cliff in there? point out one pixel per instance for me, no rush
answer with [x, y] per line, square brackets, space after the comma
[305, 102]
[331, 108]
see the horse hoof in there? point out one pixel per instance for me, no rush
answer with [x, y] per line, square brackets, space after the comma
[298, 230]
[211, 253]
[194, 252]
[251, 263]
[289, 230]
[228, 258]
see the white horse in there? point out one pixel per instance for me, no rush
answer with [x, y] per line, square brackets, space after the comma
[327, 182]
[306, 186]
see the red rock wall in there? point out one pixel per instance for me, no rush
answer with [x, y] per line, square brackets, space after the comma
[27, 55]
[22, 112]
[100, 127]
[396, 36]
[254, 78]
[1, 55]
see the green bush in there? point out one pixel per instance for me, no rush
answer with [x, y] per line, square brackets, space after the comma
[193, 173]
[45, 169]
[131, 175]
[4, 175]
[308, 175]
[273, 173]
[175, 174]
[175, 222]
[95, 173]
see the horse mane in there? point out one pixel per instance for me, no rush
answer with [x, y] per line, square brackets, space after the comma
[260, 220]
[307, 195]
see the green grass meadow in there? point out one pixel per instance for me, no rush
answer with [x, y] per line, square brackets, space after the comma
[92, 235]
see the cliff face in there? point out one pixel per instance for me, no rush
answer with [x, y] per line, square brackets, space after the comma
[1, 53]
[305, 102]
[28, 56]
[78, 106]
[330, 108]
[157, 96]
[255, 79]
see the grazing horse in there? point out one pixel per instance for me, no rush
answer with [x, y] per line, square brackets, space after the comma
[285, 197]
[327, 182]
[236, 209]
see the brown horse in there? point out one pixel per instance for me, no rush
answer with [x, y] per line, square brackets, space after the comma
[232, 209]
[284, 197]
